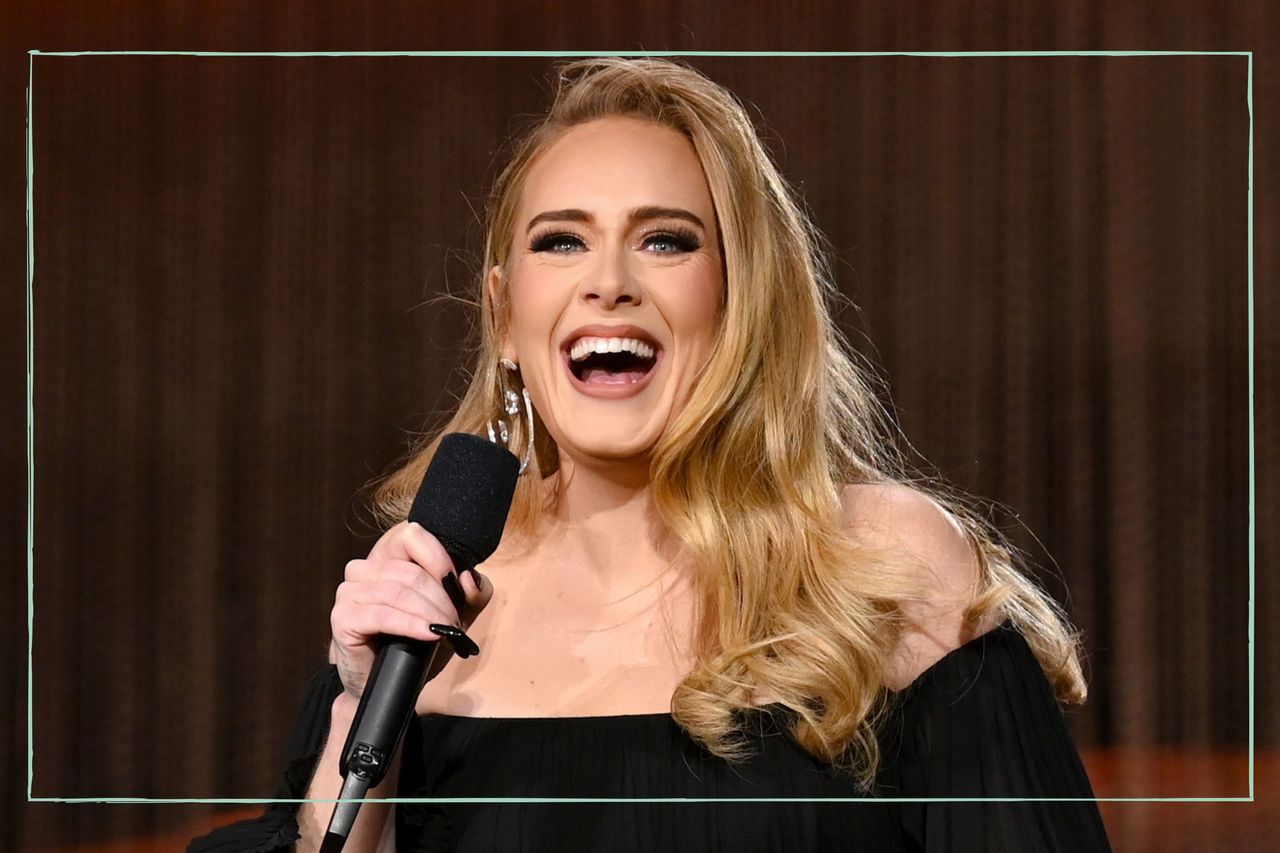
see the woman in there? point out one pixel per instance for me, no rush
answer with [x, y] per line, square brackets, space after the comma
[716, 580]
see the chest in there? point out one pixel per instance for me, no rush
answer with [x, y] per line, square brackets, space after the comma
[551, 650]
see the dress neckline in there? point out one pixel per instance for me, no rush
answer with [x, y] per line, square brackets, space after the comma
[561, 717]
[772, 708]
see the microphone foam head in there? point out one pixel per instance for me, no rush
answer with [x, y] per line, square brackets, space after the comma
[465, 497]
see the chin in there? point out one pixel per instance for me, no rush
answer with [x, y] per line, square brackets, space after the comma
[633, 452]
[627, 447]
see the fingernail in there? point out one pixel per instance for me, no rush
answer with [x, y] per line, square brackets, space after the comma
[454, 590]
[463, 646]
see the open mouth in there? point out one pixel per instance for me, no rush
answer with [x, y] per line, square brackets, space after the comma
[604, 362]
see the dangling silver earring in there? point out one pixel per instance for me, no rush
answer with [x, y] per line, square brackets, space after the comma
[511, 405]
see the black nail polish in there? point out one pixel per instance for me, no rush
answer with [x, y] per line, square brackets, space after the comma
[463, 646]
[454, 590]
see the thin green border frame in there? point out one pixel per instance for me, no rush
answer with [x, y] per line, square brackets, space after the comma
[31, 54]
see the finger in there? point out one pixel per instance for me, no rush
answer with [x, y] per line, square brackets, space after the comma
[354, 624]
[425, 601]
[409, 540]
[463, 646]
[404, 572]
[486, 586]
[354, 569]
[478, 589]
[386, 545]
[425, 549]
[408, 574]
[474, 598]
[453, 588]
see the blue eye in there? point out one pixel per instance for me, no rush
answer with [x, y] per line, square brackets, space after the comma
[672, 242]
[667, 242]
[557, 243]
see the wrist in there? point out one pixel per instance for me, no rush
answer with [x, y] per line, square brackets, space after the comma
[343, 710]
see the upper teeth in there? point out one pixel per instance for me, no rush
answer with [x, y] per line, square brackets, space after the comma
[586, 346]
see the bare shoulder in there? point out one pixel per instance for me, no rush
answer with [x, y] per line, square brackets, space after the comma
[902, 519]
[939, 557]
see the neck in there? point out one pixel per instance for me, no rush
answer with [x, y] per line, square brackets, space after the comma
[605, 525]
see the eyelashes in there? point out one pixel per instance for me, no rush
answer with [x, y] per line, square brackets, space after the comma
[556, 242]
[675, 241]
[680, 239]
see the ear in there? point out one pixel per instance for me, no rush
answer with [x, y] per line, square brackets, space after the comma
[501, 312]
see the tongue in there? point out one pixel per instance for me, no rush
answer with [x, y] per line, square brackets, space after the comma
[601, 376]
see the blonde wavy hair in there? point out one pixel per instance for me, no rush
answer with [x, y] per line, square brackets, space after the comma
[750, 474]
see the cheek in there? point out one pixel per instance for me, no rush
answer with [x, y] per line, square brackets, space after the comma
[697, 311]
[533, 310]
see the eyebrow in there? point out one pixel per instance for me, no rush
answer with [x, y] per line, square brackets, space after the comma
[639, 214]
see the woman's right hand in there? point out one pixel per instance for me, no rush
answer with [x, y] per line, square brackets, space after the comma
[398, 590]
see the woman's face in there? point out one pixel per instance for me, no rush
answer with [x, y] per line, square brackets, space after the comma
[614, 285]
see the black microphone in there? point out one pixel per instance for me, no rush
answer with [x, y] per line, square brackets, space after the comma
[463, 501]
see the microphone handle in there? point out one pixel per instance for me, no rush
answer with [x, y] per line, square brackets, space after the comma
[400, 672]
[463, 501]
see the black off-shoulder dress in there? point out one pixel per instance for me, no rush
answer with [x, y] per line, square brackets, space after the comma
[982, 722]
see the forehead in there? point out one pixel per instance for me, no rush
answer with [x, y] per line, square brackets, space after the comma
[617, 162]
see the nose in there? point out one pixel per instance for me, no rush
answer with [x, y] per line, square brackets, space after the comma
[611, 283]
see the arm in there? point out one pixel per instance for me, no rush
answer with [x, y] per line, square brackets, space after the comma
[974, 715]
[374, 830]
[319, 733]
[396, 591]
[938, 561]
[983, 723]
[276, 829]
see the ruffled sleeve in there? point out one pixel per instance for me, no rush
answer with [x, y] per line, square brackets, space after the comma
[277, 828]
[983, 722]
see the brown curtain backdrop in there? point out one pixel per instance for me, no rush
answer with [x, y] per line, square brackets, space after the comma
[243, 310]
